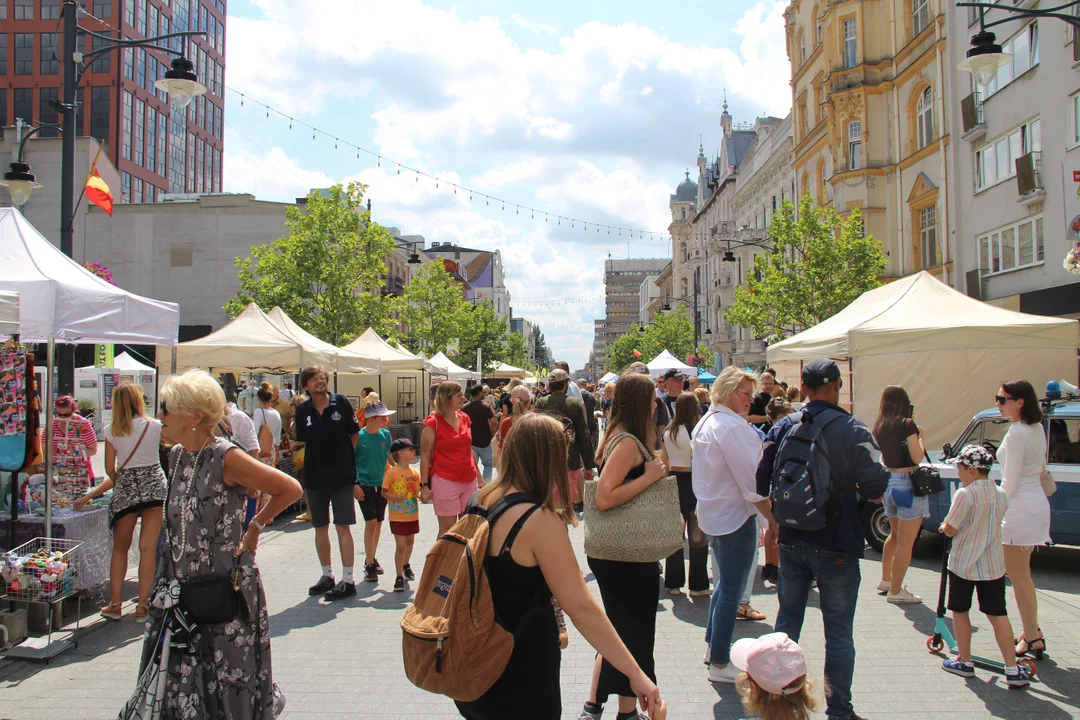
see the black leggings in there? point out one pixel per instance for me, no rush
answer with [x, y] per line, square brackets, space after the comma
[675, 569]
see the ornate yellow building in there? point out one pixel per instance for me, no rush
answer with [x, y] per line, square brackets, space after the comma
[870, 126]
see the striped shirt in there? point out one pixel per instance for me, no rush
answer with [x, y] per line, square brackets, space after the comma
[976, 513]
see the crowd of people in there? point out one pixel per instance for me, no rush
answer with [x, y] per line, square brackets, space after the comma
[726, 449]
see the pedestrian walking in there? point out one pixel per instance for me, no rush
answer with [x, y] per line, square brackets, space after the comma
[900, 440]
[529, 557]
[725, 453]
[286, 391]
[572, 390]
[588, 399]
[448, 471]
[207, 618]
[483, 422]
[630, 590]
[759, 407]
[522, 404]
[371, 452]
[571, 412]
[1022, 456]
[133, 472]
[248, 398]
[672, 384]
[401, 489]
[675, 453]
[977, 563]
[327, 430]
[831, 554]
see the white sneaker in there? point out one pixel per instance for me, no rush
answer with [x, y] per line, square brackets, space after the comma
[707, 592]
[707, 660]
[724, 674]
[904, 598]
[674, 591]
[884, 586]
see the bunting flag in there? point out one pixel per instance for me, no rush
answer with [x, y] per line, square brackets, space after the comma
[98, 192]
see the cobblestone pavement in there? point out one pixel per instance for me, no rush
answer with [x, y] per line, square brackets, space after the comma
[343, 660]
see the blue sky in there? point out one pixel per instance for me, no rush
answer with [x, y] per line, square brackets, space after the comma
[584, 109]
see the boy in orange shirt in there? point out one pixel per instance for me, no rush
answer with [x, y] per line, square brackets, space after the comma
[401, 488]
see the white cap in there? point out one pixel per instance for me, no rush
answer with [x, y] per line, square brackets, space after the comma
[773, 661]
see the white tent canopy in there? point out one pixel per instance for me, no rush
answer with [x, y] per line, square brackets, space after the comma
[344, 360]
[666, 361]
[609, 378]
[502, 370]
[123, 361]
[251, 341]
[9, 312]
[445, 366]
[949, 351]
[61, 300]
[369, 344]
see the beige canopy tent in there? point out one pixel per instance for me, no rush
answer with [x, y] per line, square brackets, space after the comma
[502, 370]
[402, 383]
[451, 370]
[369, 344]
[949, 351]
[344, 360]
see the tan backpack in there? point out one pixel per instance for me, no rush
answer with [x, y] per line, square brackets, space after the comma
[451, 641]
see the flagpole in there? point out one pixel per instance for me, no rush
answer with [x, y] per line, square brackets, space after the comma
[89, 174]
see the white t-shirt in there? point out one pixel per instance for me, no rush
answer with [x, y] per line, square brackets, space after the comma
[272, 419]
[147, 454]
[678, 450]
[285, 393]
[243, 429]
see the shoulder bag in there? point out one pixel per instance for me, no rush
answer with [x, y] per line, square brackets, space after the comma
[1046, 479]
[136, 448]
[925, 479]
[647, 528]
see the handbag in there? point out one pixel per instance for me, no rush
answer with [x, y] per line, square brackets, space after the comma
[212, 600]
[925, 479]
[1049, 484]
[646, 528]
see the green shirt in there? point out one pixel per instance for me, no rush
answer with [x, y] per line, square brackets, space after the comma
[371, 451]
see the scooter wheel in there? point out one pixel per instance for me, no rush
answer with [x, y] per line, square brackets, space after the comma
[934, 644]
[1029, 664]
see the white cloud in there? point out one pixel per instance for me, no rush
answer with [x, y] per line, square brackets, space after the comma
[527, 24]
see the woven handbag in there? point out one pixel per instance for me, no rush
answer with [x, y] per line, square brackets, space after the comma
[647, 528]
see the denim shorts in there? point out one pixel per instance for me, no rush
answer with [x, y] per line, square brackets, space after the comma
[900, 501]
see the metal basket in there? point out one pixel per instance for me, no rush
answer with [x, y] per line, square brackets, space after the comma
[35, 580]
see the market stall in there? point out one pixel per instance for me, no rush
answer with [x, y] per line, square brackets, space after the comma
[666, 361]
[609, 378]
[95, 385]
[344, 360]
[402, 381]
[452, 371]
[949, 351]
[503, 371]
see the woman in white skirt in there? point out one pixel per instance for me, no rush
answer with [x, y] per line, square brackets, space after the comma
[1027, 522]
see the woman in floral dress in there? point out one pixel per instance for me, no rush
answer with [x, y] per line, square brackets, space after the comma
[220, 671]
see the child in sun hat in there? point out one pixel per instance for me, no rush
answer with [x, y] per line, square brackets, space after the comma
[773, 681]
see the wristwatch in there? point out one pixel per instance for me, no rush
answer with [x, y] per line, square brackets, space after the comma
[258, 524]
[425, 485]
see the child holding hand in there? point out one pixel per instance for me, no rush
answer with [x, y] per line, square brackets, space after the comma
[401, 488]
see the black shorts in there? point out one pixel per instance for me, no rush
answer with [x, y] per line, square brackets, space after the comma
[373, 506]
[991, 595]
[320, 500]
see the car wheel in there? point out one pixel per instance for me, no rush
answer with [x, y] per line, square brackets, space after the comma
[875, 525]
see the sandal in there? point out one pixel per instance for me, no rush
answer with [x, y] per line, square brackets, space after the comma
[1034, 647]
[748, 613]
[112, 611]
[140, 613]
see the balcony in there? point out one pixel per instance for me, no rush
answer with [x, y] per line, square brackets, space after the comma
[394, 286]
[1029, 183]
[971, 110]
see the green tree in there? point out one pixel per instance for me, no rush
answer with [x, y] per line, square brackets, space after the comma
[672, 331]
[822, 263]
[326, 274]
[516, 351]
[483, 329]
[434, 308]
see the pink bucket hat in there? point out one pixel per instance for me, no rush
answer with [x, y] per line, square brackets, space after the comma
[773, 661]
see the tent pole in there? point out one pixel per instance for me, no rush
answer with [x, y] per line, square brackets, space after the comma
[172, 361]
[48, 449]
[335, 381]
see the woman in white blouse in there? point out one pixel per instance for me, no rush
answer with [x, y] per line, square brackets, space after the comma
[1022, 455]
[725, 453]
[675, 452]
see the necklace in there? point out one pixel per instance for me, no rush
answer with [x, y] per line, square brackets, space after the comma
[186, 501]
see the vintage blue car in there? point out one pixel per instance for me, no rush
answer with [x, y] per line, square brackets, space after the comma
[1061, 421]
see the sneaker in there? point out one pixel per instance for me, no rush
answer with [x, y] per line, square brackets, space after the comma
[304, 517]
[399, 584]
[707, 660]
[724, 674]
[813, 584]
[378, 567]
[904, 598]
[587, 714]
[325, 584]
[341, 590]
[701, 593]
[1020, 679]
[371, 574]
[958, 667]
[674, 591]
[407, 571]
[884, 586]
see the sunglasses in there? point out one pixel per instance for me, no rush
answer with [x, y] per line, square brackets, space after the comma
[164, 410]
[567, 424]
[1002, 399]
[64, 415]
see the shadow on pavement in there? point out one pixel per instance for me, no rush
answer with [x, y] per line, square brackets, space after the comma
[310, 612]
[1004, 702]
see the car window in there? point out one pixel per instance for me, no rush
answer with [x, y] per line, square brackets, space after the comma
[987, 432]
[1064, 440]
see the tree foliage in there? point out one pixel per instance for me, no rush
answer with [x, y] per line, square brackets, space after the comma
[326, 274]
[434, 308]
[822, 263]
[516, 351]
[672, 331]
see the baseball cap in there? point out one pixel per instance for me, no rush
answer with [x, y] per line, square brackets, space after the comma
[774, 661]
[401, 444]
[558, 375]
[377, 409]
[674, 374]
[975, 456]
[820, 371]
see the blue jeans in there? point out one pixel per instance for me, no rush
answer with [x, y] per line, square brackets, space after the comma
[838, 579]
[734, 554]
[483, 455]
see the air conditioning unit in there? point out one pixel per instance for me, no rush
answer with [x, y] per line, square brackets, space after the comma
[1029, 176]
[971, 110]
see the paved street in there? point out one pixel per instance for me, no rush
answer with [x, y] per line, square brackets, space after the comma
[343, 660]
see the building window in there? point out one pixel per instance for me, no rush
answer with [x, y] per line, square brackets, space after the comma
[924, 118]
[1011, 248]
[819, 33]
[99, 113]
[802, 49]
[125, 135]
[217, 170]
[855, 145]
[125, 187]
[137, 194]
[24, 10]
[151, 138]
[824, 184]
[129, 63]
[928, 236]
[140, 21]
[24, 54]
[3, 60]
[129, 13]
[162, 140]
[103, 8]
[1024, 48]
[50, 9]
[1075, 122]
[47, 53]
[850, 43]
[995, 162]
[181, 256]
[23, 104]
[140, 123]
[920, 14]
[140, 69]
[102, 63]
[153, 25]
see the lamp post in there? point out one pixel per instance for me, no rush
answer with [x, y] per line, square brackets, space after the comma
[666, 307]
[985, 56]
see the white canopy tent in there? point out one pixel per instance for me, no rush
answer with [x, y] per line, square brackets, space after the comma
[369, 344]
[610, 377]
[344, 360]
[9, 312]
[502, 370]
[666, 361]
[124, 361]
[445, 366]
[949, 351]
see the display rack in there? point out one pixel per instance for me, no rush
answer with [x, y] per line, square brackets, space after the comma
[406, 399]
[37, 585]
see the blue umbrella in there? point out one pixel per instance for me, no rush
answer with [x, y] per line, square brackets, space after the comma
[706, 377]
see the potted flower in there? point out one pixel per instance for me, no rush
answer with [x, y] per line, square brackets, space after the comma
[87, 408]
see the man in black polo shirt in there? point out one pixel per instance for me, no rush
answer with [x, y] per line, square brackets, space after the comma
[326, 425]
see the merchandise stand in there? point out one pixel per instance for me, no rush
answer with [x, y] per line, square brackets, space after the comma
[44, 648]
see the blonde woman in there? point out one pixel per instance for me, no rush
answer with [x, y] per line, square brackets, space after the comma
[448, 471]
[227, 668]
[135, 476]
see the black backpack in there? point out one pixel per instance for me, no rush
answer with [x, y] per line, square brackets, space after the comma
[802, 485]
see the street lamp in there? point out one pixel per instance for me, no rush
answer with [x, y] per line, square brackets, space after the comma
[181, 84]
[985, 56]
[19, 181]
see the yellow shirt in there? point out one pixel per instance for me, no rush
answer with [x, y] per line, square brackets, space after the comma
[407, 483]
